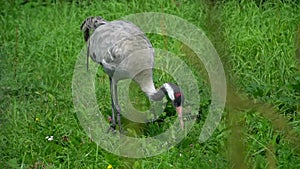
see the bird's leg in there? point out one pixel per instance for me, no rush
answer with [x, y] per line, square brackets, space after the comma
[118, 109]
[113, 125]
[115, 106]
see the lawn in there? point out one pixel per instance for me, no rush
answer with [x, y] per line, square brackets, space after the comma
[258, 43]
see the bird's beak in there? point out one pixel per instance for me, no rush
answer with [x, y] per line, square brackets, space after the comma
[179, 112]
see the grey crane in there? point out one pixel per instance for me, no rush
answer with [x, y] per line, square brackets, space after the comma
[124, 52]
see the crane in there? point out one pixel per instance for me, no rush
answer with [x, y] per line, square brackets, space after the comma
[124, 52]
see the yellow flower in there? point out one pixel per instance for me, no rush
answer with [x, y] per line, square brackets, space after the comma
[109, 166]
[37, 119]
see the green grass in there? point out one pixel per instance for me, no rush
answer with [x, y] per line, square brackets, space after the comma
[257, 42]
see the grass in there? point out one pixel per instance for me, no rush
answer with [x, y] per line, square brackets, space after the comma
[257, 42]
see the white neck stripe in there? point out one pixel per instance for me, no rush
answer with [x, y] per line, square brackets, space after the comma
[169, 90]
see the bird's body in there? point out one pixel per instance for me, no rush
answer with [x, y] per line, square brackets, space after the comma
[116, 45]
[106, 41]
[125, 52]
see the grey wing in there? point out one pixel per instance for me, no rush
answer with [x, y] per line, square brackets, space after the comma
[115, 41]
[131, 56]
[98, 47]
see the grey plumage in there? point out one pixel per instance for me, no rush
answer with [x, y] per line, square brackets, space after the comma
[91, 23]
[124, 51]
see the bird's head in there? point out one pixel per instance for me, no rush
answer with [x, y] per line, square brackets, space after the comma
[177, 98]
[91, 23]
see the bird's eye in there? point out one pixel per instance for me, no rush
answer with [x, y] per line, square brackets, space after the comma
[176, 104]
[177, 101]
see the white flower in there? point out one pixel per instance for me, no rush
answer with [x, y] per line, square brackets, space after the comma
[49, 138]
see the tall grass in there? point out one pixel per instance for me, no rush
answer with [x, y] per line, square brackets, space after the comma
[40, 41]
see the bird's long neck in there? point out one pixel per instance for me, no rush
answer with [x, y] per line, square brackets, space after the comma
[145, 80]
[159, 94]
[154, 94]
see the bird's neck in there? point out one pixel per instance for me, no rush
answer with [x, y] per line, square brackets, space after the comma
[144, 79]
[159, 94]
[155, 94]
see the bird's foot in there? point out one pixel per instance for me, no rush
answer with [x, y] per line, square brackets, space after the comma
[112, 128]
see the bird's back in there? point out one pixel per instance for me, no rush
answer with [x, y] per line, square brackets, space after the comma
[121, 46]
